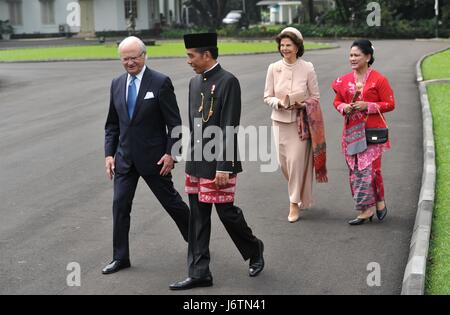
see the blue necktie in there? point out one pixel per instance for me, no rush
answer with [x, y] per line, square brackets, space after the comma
[132, 95]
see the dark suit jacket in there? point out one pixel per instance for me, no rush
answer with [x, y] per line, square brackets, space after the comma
[142, 140]
[222, 90]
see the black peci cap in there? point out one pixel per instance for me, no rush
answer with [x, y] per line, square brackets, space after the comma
[200, 40]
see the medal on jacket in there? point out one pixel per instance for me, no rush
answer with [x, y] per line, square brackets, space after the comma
[200, 109]
[211, 107]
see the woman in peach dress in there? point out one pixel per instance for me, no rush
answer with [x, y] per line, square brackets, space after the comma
[292, 92]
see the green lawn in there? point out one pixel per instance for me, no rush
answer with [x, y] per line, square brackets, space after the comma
[438, 271]
[437, 66]
[164, 49]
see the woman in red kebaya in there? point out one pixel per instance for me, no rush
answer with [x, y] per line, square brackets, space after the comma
[361, 97]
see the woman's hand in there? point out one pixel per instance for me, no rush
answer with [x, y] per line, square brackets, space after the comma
[281, 106]
[348, 109]
[298, 105]
[360, 105]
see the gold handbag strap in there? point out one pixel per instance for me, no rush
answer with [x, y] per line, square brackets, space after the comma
[382, 117]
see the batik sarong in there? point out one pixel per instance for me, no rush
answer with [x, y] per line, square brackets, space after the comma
[367, 185]
[207, 190]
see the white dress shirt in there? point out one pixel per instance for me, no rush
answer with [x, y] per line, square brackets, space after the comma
[137, 82]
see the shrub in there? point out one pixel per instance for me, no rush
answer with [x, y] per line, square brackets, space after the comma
[391, 30]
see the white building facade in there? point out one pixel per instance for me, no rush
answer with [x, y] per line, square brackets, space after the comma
[87, 16]
[34, 16]
[172, 11]
[289, 11]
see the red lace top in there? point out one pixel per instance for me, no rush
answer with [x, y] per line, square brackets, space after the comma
[378, 93]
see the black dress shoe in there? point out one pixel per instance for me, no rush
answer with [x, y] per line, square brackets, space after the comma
[257, 262]
[381, 214]
[359, 221]
[190, 283]
[115, 266]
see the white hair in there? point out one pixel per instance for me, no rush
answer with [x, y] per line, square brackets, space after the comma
[133, 39]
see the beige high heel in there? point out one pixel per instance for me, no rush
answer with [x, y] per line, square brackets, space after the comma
[294, 213]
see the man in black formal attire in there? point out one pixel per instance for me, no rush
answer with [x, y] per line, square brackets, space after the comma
[143, 111]
[214, 102]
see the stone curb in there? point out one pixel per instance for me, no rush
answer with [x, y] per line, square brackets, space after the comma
[415, 271]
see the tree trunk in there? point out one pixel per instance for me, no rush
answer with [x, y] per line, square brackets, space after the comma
[343, 10]
[311, 11]
[211, 11]
[205, 15]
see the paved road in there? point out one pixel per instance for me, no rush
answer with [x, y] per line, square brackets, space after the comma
[56, 203]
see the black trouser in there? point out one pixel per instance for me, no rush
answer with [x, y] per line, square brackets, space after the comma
[200, 232]
[124, 190]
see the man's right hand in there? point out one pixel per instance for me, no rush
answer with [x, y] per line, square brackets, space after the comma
[109, 166]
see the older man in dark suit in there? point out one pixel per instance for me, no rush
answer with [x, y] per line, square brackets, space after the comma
[143, 111]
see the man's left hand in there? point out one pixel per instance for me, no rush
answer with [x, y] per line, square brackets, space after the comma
[167, 160]
[222, 179]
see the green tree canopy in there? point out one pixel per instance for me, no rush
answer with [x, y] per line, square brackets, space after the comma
[348, 11]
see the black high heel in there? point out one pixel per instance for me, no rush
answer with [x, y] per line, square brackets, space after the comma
[381, 214]
[359, 221]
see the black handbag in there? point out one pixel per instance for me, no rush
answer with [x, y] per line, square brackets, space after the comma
[377, 135]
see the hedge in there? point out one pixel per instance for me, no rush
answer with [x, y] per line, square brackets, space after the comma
[397, 30]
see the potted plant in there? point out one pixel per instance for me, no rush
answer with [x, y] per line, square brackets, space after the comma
[6, 29]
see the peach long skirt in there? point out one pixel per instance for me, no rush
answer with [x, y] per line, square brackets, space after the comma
[295, 158]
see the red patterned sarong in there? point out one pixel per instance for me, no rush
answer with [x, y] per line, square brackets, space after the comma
[207, 190]
[367, 185]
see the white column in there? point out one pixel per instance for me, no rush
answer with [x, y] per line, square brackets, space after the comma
[4, 11]
[280, 14]
[290, 15]
[179, 10]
